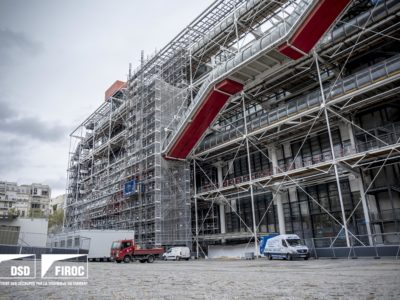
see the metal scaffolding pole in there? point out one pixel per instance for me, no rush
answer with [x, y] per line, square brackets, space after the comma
[195, 208]
[251, 179]
[67, 185]
[344, 225]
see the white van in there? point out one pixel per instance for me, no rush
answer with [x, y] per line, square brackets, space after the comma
[286, 246]
[177, 253]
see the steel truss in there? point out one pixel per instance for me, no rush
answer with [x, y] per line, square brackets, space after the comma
[333, 107]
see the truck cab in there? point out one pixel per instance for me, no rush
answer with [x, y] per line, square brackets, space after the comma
[122, 250]
[127, 251]
[286, 246]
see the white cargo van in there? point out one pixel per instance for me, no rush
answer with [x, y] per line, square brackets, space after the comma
[286, 246]
[177, 253]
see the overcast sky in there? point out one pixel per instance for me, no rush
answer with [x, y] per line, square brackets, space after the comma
[57, 58]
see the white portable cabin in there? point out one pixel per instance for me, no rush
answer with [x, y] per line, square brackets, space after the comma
[98, 242]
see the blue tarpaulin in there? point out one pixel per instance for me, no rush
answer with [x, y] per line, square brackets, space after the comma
[129, 188]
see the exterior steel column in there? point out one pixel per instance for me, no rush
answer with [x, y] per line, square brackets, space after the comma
[273, 157]
[195, 209]
[365, 209]
[222, 218]
[281, 215]
[333, 152]
[221, 205]
[278, 196]
[361, 188]
[256, 250]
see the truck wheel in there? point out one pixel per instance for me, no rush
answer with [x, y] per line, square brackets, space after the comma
[187, 259]
[306, 258]
[178, 258]
[269, 256]
[150, 259]
[127, 259]
[289, 257]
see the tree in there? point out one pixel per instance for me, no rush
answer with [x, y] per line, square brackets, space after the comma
[36, 213]
[56, 218]
[12, 213]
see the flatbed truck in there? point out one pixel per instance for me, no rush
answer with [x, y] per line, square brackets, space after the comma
[127, 251]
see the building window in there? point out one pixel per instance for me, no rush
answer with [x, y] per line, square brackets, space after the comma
[35, 191]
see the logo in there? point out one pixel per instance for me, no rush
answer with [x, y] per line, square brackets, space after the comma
[16, 266]
[64, 266]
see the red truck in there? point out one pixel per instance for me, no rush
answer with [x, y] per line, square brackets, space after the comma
[127, 251]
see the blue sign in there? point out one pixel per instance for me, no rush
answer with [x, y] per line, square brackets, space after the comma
[129, 188]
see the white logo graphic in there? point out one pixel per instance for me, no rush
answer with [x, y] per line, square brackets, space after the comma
[11, 268]
[68, 269]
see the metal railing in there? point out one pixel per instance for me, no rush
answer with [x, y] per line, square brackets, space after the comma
[287, 164]
[375, 245]
[385, 215]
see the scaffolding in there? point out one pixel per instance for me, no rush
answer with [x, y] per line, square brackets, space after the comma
[117, 177]
[295, 151]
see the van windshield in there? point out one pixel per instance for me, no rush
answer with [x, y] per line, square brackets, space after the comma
[294, 242]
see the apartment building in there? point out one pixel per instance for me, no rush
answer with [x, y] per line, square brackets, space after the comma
[24, 200]
[57, 203]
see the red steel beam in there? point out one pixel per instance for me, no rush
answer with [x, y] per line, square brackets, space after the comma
[318, 21]
[204, 116]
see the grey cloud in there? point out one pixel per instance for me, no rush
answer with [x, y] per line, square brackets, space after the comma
[56, 184]
[11, 41]
[11, 122]
[5, 111]
[10, 155]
